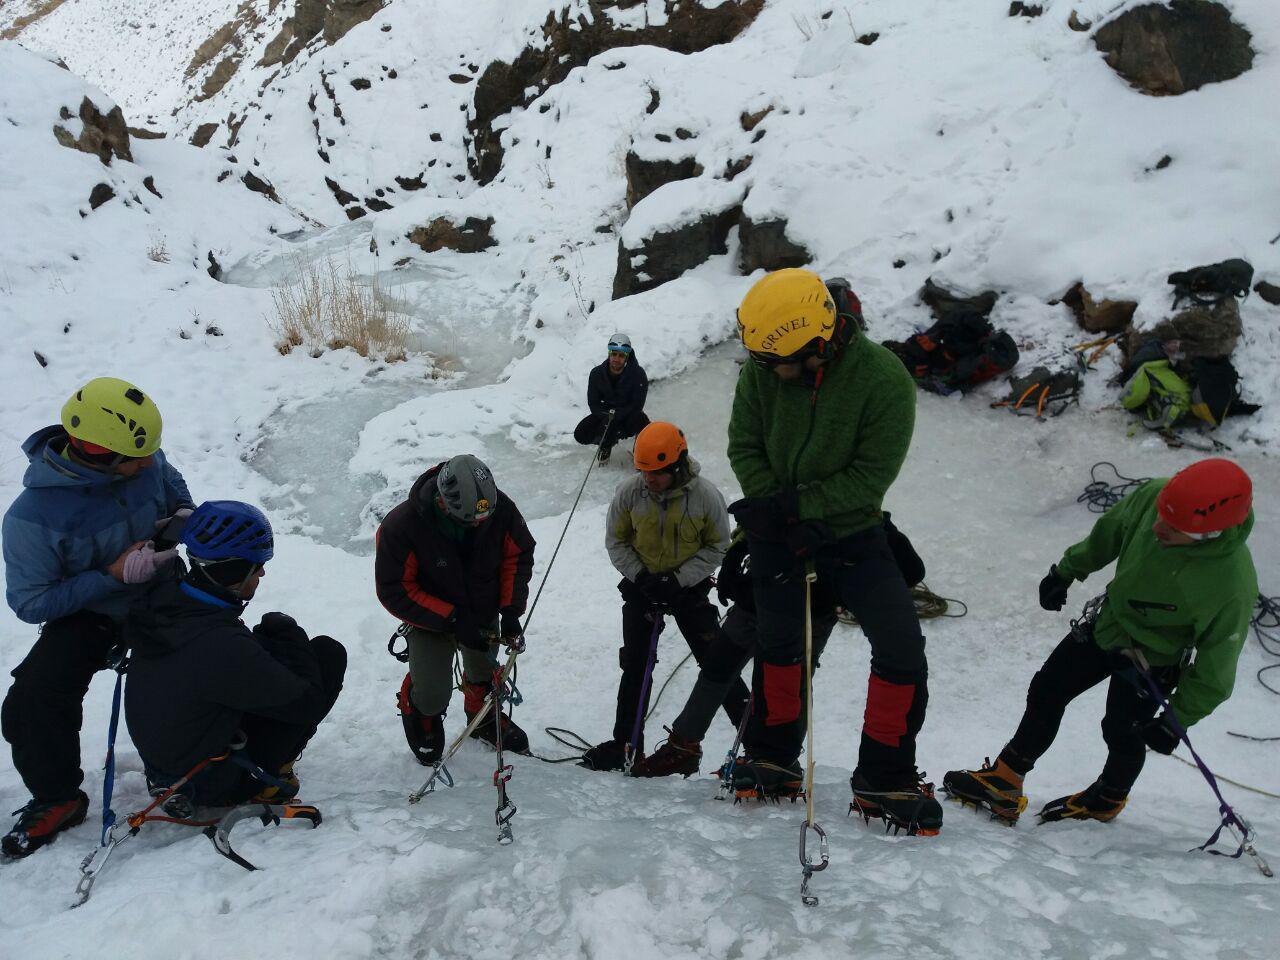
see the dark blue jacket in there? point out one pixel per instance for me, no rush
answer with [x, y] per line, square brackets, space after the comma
[71, 523]
[196, 670]
[626, 394]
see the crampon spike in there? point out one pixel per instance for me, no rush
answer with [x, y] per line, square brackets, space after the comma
[268, 813]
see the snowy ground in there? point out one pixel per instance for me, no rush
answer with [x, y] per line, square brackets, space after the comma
[604, 867]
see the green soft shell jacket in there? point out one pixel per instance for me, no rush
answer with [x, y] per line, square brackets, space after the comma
[1169, 600]
[840, 444]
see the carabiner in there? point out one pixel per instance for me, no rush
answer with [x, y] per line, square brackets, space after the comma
[810, 868]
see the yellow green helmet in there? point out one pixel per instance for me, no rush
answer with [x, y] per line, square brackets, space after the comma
[785, 311]
[115, 415]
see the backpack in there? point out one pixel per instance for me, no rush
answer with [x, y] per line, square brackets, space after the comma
[1157, 394]
[1215, 391]
[846, 300]
[958, 352]
[1211, 284]
[1041, 390]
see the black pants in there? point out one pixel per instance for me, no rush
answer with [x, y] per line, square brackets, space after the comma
[270, 743]
[862, 574]
[699, 623]
[43, 710]
[590, 431]
[722, 665]
[1074, 667]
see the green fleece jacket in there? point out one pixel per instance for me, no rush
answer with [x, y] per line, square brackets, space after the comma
[840, 443]
[1169, 600]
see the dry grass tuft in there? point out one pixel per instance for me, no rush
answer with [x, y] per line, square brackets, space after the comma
[324, 306]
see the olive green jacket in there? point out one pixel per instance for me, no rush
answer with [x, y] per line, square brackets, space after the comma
[684, 531]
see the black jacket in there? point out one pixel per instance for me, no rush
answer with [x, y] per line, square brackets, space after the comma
[196, 670]
[422, 575]
[626, 394]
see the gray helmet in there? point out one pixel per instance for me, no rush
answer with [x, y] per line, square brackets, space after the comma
[466, 487]
[621, 343]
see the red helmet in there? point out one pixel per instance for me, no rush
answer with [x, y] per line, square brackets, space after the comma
[1206, 497]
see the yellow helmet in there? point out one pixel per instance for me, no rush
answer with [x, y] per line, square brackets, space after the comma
[113, 415]
[785, 311]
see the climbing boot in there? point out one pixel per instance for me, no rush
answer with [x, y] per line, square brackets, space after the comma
[994, 787]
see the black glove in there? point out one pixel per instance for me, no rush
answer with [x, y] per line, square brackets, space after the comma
[466, 632]
[807, 537]
[511, 628]
[733, 585]
[280, 628]
[660, 589]
[1159, 734]
[765, 518]
[1053, 590]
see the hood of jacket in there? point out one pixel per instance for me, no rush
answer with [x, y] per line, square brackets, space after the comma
[166, 619]
[47, 467]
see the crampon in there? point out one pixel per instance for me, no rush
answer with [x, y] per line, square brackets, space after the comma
[911, 809]
[764, 781]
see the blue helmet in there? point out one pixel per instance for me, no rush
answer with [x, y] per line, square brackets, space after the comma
[226, 530]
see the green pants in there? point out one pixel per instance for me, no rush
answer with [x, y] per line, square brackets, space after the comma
[431, 666]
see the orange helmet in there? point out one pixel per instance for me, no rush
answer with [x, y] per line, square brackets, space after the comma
[1206, 497]
[659, 446]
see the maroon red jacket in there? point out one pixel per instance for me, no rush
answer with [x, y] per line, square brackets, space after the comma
[422, 574]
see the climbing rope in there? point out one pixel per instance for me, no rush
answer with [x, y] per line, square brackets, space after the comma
[1101, 496]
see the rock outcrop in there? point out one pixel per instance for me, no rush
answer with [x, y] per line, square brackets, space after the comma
[105, 135]
[471, 236]
[1168, 50]
[570, 42]
[764, 245]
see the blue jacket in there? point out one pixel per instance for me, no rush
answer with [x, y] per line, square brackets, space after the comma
[70, 523]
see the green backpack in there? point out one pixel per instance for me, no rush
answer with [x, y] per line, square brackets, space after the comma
[1157, 394]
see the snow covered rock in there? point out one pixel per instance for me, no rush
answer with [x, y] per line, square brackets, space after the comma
[471, 235]
[582, 31]
[674, 229]
[1098, 316]
[646, 174]
[1169, 50]
[105, 135]
[764, 245]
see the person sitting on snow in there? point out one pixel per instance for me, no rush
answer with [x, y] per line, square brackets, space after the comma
[77, 547]
[616, 391]
[1184, 584]
[201, 684]
[453, 562]
[667, 531]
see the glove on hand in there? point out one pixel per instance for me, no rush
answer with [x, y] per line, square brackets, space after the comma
[466, 632]
[765, 518]
[807, 537]
[511, 628]
[1053, 590]
[145, 562]
[169, 529]
[660, 589]
[1160, 735]
[280, 627]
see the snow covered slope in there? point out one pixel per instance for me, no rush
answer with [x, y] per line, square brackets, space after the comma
[1002, 147]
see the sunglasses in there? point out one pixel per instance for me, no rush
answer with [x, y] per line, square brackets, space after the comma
[769, 360]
